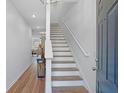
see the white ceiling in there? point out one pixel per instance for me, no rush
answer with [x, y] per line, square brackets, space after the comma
[29, 7]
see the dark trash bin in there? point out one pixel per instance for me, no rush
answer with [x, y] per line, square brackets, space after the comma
[41, 68]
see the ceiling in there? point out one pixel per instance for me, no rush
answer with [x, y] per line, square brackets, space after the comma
[27, 8]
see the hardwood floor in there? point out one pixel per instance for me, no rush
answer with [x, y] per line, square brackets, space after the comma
[28, 82]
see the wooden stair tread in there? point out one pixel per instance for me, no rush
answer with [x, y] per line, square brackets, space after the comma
[64, 69]
[54, 46]
[57, 36]
[61, 51]
[57, 39]
[62, 56]
[59, 42]
[53, 31]
[64, 62]
[75, 89]
[64, 78]
[56, 33]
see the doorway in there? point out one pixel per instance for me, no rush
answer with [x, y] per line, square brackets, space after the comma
[107, 53]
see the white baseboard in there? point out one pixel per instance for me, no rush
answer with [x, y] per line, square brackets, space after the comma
[18, 77]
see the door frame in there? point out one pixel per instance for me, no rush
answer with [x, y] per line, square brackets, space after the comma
[98, 51]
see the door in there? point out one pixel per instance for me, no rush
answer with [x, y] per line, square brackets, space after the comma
[107, 53]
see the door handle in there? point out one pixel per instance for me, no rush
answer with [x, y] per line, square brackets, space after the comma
[97, 60]
[94, 68]
[97, 64]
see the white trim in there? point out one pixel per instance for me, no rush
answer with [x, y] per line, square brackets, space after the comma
[48, 82]
[48, 49]
[82, 49]
[48, 19]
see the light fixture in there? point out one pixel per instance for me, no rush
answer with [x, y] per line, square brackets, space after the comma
[34, 16]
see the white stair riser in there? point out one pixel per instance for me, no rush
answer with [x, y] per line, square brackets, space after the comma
[71, 65]
[57, 37]
[56, 33]
[62, 53]
[58, 45]
[59, 41]
[68, 83]
[63, 59]
[65, 73]
[61, 49]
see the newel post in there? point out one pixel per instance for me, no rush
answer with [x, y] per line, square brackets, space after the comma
[48, 51]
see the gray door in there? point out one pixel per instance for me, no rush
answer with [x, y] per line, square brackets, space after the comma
[107, 53]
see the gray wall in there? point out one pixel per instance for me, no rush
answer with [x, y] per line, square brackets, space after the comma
[18, 45]
[81, 19]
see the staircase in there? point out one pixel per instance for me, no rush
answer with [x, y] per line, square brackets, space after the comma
[65, 74]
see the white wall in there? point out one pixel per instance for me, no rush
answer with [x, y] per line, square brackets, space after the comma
[81, 19]
[18, 45]
[60, 9]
